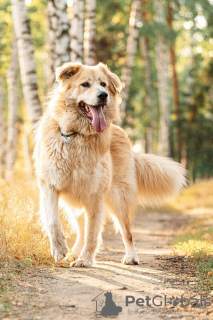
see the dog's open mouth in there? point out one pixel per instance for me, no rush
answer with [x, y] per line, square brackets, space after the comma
[95, 115]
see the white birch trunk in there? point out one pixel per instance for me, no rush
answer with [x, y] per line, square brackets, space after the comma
[3, 131]
[12, 84]
[77, 31]
[132, 41]
[26, 152]
[58, 36]
[26, 60]
[162, 75]
[89, 33]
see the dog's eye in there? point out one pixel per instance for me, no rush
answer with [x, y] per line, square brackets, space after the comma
[85, 84]
[103, 84]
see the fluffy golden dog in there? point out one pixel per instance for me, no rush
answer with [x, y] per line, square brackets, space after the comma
[83, 158]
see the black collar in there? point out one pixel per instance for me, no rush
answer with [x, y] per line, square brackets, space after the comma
[67, 135]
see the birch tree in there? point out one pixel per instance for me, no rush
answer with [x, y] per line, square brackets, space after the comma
[3, 131]
[26, 152]
[58, 36]
[144, 44]
[132, 41]
[12, 85]
[162, 76]
[175, 86]
[26, 60]
[77, 31]
[89, 33]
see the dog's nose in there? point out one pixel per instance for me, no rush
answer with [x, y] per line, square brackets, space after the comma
[102, 96]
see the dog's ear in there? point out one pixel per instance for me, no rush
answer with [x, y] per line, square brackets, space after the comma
[67, 70]
[114, 81]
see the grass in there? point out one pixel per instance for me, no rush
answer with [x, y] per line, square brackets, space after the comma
[197, 248]
[197, 199]
[195, 241]
[21, 236]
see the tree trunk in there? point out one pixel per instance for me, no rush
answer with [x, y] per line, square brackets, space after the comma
[58, 37]
[3, 131]
[144, 44]
[26, 152]
[26, 60]
[175, 87]
[162, 75]
[89, 33]
[77, 31]
[12, 84]
[189, 99]
[132, 41]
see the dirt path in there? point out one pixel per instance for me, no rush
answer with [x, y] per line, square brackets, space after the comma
[67, 294]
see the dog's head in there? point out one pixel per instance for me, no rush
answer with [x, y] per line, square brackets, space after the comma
[91, 95]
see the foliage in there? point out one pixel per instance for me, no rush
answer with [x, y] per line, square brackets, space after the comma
[192, 35]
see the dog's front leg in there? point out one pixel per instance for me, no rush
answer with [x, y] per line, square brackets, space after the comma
[50, 220]
[94, 221]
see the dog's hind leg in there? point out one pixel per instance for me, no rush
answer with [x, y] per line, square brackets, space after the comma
[120, 208]
[131, 256]
[50, 220]
[79, 242]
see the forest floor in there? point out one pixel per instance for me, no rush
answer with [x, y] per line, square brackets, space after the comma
[68, 293]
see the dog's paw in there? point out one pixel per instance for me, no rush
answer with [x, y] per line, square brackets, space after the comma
[81, 263]
[59, 251]
[130, 260]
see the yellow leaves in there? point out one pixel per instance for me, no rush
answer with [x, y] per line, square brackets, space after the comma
[210, 273]
[116, 18]
[192, 247]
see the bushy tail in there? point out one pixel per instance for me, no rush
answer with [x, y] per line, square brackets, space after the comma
[158, 178]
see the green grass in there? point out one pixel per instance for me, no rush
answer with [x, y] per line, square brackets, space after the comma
[197, 247]
[204, 269]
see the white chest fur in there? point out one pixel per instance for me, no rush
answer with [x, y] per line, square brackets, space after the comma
[76, 170]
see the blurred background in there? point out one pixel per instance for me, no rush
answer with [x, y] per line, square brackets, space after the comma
[162, 50]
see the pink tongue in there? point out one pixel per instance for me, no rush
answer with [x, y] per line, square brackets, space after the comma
[98, 121]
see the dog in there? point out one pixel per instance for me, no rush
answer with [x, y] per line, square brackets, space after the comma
[83, 158]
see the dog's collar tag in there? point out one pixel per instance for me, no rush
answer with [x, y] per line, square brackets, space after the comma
[67, 137]
[67, 140]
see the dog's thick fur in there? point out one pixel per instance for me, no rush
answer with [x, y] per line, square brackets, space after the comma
[97, 170]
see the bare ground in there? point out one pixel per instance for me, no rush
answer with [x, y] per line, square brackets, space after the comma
[67, 294]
